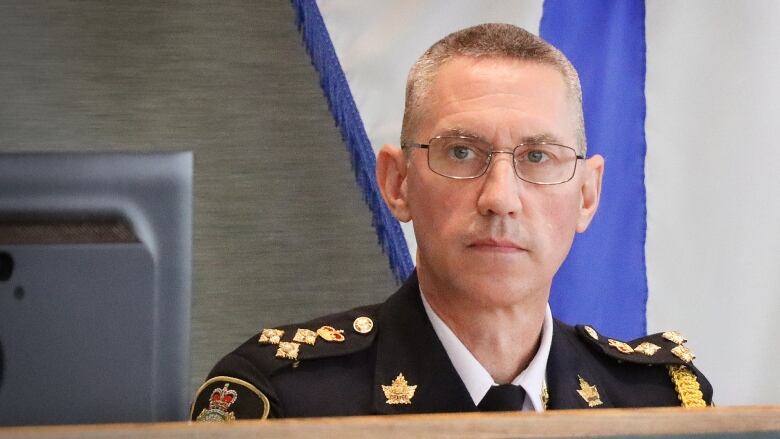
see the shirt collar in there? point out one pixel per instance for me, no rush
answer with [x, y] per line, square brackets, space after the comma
[477, 379]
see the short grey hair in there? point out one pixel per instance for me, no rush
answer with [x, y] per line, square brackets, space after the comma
[489, 40]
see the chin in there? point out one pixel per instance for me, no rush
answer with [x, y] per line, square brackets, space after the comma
[497, 301]
[500, 291]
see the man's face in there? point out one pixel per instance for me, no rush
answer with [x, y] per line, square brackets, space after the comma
[495, 239]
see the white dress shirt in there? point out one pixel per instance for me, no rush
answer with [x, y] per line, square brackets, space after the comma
[477, 379]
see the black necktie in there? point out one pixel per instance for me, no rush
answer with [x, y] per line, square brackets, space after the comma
[501, 398]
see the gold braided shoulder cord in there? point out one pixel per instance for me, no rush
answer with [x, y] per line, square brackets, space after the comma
[687, 387]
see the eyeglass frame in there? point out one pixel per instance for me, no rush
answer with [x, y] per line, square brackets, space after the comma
[580, 156]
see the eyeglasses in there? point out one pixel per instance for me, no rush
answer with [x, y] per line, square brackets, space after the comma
[461, 157]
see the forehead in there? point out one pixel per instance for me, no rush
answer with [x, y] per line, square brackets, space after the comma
[503, 100]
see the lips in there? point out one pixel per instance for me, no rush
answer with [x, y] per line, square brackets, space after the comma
[497, 245]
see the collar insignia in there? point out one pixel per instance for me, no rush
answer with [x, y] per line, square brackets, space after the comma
[589, 393]
[400, 392]
[545, 395]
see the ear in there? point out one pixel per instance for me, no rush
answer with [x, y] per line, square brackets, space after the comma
[591, 191]
[391, 177]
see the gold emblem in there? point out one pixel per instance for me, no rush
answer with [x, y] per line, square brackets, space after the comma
[400, 392]
[674, 337]
[647, 348]
[592, 332]
[329, 333]
[219, 403]
[622, 347]
[271, 336]
[305, 336]
[683, 353]
[363, 325]
[288, 350]
[545, 395]
[589, 393]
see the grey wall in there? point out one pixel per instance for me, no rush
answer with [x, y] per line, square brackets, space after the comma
[281, 232]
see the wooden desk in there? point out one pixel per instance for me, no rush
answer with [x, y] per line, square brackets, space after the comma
[567, 423]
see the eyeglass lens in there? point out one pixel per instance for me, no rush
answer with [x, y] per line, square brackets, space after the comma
[459, 157]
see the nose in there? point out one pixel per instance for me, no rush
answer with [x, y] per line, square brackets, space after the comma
[500, 192]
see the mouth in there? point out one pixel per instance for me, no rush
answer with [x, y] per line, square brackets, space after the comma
[497, 245]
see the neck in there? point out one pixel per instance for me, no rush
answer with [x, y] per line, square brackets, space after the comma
[503, 338]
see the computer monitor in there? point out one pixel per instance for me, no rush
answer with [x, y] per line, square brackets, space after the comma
[95, 287]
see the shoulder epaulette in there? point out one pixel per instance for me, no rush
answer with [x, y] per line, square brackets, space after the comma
[273, 350]
[334, 335]
[660, 348]
[663, 348]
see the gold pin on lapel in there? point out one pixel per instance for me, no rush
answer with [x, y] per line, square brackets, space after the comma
[271, 336]
[683, 353]
[592, 332]
[363, 325]
[329, 333]
[589, 393]
[619, 345]
[647, 348]
[288, 350]
[674, 337]
[400, 392]
[305, 336]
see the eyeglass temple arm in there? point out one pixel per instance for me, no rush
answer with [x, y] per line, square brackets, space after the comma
[414, 145]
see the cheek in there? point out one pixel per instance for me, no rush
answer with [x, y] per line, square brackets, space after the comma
[560, 213]
[438, 209]
[432, 209]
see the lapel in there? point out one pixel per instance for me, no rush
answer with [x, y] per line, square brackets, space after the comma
[569, 359]
[408, 345]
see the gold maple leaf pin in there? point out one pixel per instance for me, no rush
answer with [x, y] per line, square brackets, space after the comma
[399, 392]
[589, 393]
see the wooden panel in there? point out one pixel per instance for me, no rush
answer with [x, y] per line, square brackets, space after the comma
[571, 423]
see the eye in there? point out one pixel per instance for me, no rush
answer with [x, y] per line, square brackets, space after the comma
[536, 156]
[462, 152]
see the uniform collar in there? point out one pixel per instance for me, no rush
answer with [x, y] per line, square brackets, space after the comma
[477, 379]
[407, 344]
[570, 359]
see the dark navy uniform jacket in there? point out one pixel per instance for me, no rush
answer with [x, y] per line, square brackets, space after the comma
[332, 378]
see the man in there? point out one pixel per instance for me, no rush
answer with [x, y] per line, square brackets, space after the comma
[493, 172]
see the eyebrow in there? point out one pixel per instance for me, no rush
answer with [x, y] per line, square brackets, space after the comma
[541, 138]
[457, 131]
[536, 138]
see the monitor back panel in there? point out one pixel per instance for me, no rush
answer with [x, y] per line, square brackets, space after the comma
[77, 330]
[95, 317]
